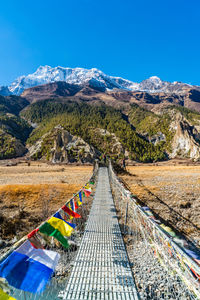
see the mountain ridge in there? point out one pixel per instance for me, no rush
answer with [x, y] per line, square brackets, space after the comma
[94, 77]
[117, 97]
[146, 125]
[119, 123]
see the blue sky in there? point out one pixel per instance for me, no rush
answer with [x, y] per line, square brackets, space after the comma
[127, 38]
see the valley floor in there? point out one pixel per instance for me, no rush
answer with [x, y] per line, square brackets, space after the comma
[30, 194]
[172, 191]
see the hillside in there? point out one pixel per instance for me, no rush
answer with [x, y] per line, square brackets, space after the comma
[176, 128]
[14, 131]
[136, 125]
[140, 134]
[88, 122]
[12, 104]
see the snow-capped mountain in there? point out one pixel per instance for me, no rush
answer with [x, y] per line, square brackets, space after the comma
[93, 77]
[155, 84]
[77, 76]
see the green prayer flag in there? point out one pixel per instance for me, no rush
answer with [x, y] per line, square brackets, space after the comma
[47, 229]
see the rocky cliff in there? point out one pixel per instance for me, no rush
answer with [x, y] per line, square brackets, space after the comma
[59, 146]
[185, 142]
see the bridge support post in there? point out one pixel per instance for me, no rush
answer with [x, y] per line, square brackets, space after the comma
[126, 218]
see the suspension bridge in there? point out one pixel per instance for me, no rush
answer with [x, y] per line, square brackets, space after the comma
[101, 269]
[160, 267]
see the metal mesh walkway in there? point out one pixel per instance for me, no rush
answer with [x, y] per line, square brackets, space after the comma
[101, 269]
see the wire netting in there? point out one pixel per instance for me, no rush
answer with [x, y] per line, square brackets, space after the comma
[161, 268]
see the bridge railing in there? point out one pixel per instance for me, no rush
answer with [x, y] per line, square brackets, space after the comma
[175, 258]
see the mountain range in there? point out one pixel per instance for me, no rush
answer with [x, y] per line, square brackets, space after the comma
[69, 115]
[93, 77]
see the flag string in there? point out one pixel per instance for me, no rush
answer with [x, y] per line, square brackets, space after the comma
[30, 247]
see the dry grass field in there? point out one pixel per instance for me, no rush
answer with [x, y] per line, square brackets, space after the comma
[29, 194]
[171, 191]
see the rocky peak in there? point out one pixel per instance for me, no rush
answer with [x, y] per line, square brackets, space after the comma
[184, 143]
[153, 84]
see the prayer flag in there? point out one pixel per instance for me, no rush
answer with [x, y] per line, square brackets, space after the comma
[59, 223]
[71, 225]
[47, 229]
[32, 233]
[35, 242]
[4, 296]
[68, 223]
[87, 191]
[73, 205]
[29, 269]
[70, 212]
[79, 199]
[67, 217]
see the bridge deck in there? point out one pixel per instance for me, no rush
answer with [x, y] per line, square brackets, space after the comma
[101, 269]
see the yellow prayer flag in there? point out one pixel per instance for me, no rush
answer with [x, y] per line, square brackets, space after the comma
[4, 296]
[61, 225]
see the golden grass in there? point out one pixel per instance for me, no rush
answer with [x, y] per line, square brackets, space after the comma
[172, 191]
[41, 173]
[25, 206]
[34, 195]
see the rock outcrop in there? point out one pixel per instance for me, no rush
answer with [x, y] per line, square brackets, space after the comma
[111, 141]
[10, 146]
[184, 143]
[59, 146]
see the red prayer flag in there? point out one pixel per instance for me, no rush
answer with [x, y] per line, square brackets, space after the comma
[32, 233]
[76, 205]
[35, 242]
[87, 193]
[70, 212]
